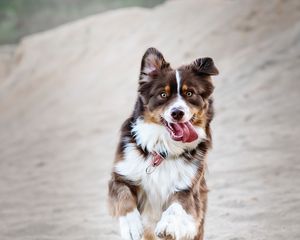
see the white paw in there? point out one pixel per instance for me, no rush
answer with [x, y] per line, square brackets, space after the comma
[176, 223]
[131, 226]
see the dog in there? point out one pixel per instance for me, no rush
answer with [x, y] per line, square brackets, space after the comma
[157, 187]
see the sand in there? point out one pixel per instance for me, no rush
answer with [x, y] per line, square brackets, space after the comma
[65, 92]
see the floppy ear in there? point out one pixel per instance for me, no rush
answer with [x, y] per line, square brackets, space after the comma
[205, 66]
[152, 63]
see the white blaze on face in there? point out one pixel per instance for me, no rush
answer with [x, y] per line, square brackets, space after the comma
[178, 80]
[178, 103]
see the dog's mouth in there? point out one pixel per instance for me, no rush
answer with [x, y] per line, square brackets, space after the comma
[181, 131]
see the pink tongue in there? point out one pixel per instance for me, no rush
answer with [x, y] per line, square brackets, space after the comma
[184, 132]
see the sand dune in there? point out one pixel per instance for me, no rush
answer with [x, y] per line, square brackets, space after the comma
[68, 90]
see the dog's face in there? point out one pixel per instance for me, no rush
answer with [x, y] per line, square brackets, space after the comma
[177, 99]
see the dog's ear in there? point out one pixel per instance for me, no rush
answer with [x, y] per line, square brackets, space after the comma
[205, 66]
[152, 63]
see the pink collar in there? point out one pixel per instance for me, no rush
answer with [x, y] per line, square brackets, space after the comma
[157, 159]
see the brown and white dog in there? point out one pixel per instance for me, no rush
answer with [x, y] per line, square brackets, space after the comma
[157, 188]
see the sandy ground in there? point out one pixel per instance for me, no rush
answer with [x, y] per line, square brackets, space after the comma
[69, 89]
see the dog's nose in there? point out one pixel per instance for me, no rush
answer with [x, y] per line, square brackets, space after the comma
[177, 114]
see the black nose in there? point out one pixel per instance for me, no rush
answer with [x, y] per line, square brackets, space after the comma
[177, 114]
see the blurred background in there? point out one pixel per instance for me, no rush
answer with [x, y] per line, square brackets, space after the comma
[68, 79]
[19, 18]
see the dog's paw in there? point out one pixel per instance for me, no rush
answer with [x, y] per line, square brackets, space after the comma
[131, 226]
[175, 223]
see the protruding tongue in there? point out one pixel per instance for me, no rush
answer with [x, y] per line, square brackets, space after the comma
[184, 132]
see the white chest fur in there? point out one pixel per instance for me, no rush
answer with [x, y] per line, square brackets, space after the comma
[170, 176]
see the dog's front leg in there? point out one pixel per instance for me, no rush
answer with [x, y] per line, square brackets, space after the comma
[178, 221]
[122, 202]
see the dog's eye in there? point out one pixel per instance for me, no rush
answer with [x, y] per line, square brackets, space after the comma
[163, 95]
[189, 94]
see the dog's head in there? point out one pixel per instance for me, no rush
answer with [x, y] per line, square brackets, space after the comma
[177, 99]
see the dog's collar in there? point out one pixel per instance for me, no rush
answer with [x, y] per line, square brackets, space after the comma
[157, 159]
